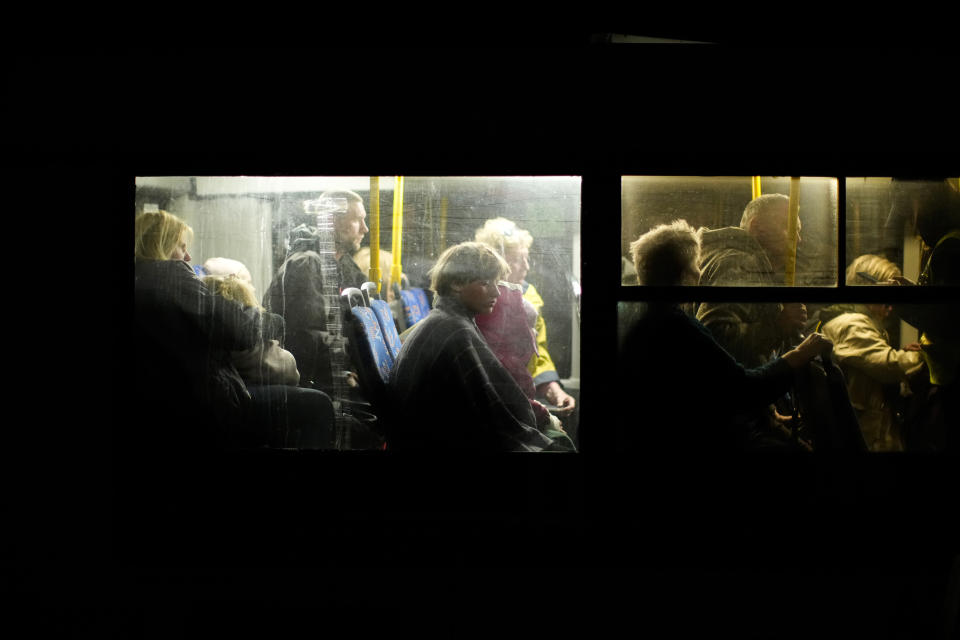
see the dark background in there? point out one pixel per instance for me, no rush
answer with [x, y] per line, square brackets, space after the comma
[109, 542]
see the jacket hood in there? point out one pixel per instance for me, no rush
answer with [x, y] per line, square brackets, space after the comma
[304, 238]
[729, 238]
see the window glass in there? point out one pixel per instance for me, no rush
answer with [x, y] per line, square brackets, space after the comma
[249, 227]
[696, 399]
[762, 252]
[887, 220]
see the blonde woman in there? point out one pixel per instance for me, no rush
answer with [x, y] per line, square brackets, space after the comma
[299, 418]
[266, 363]
[513, 243]
[863, 351]
[183, 338]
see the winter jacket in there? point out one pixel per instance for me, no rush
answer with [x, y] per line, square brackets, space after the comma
[862, 350]
[298, 293]
[681, 391]
[731, 257]
[541, 364]
[449, 391]
[184, 335]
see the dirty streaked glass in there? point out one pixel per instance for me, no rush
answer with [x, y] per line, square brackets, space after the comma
[882, 222]
[250, 219]
[718, 202]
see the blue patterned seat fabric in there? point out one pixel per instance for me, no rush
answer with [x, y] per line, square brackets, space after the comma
[387, 326]
[422, 299]
[378, 346]
[411, 307]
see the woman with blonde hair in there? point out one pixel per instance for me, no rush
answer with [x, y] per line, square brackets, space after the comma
[183, 337]
[870, 364]
[513, 243]
[300, 417]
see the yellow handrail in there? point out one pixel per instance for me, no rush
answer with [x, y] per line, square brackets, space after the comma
[755, 183]
[375, 230]
[396, 271]
[792, 211]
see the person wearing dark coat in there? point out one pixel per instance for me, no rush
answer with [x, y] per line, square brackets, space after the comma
[937, 210]
[448, 390]
[686, 392]
[297, 290]
[191, 393]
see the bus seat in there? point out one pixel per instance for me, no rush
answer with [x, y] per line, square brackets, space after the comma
[387, 326]
[373, 356]
[424, 300]
[369, 290]
[412, 307]
[351, 297]
[368, 351]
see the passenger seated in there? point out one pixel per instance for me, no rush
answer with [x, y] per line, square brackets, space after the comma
[510, 333]
[227, 267]
[362, 258]
[684, 389]
[513, 243]
[448, 389]
[299, 418]
[870, 365]
[183, 337]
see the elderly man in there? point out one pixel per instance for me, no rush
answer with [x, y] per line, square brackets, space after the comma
[298, 288]
[689, 391]
[753, 254]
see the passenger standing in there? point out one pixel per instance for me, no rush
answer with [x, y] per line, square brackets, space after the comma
[297, 289]
[870, 364]
[938, 224]
[751, 255]
[754, 333]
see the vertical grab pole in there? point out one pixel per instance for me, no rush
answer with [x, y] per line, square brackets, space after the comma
[793, 209]
[755, 184]
[375, 230]
[397, 230]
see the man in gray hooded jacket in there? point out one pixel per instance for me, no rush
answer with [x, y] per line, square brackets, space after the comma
[753, 254]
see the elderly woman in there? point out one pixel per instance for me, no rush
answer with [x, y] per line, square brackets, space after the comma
[449, 390]
[183, 339]
[684, 390]
[298, 417]
[513, 243]
[862, 349]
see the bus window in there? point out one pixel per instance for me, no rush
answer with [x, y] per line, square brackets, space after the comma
[882, 220]
[764, 251]
[258, 222]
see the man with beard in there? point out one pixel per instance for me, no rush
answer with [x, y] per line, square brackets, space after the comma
[297, 289]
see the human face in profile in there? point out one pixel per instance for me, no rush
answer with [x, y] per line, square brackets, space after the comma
[351, 227]
[519, 260]
[180, 251]
[478, 296]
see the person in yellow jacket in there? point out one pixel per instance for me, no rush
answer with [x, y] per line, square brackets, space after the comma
[862, 349]
[513, 243]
